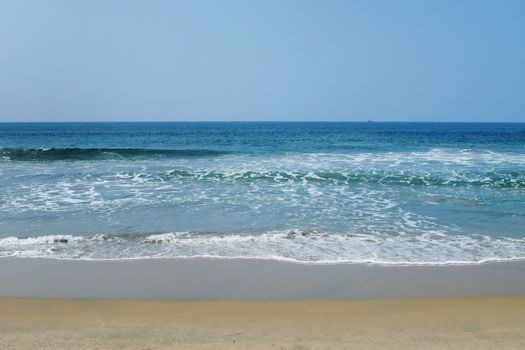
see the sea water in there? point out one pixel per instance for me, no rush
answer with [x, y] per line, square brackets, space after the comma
[387, 193]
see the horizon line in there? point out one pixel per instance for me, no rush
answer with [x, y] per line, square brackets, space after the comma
[257, 121]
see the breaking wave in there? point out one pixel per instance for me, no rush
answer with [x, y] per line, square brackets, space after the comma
[300, 246]
[515, 179]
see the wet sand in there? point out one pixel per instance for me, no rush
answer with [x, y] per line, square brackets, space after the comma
[202, 278]
[435, 323]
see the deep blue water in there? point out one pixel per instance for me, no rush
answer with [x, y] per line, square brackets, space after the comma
[313, 192]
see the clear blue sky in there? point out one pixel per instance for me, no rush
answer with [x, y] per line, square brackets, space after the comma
[262, 60]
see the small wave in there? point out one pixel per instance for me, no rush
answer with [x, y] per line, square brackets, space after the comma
[515, 179]
[310, 247]
[56, 154]
[49, 239]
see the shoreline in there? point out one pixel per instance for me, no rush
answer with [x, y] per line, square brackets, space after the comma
[280, 260]
[233, 278]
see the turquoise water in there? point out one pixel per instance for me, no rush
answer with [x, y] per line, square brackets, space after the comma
[391, 193]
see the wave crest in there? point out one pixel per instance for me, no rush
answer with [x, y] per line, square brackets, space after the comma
[515, 179]
[303, 246]
[57, 154]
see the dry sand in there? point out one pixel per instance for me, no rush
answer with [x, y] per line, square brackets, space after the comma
[433, 323]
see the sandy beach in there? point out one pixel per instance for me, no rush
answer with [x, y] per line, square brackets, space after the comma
[257, 304]
[439, 323]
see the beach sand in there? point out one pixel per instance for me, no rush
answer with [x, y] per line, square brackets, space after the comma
[432, 323]
[253, 304]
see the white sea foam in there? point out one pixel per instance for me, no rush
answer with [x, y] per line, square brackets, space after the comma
[309, 174]
[292, 245]
[414, 194]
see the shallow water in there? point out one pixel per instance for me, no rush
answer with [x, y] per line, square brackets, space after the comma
[423, 193]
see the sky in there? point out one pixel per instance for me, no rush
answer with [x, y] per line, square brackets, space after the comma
[100, 60]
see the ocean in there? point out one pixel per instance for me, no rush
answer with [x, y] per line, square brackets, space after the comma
[383, 193]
